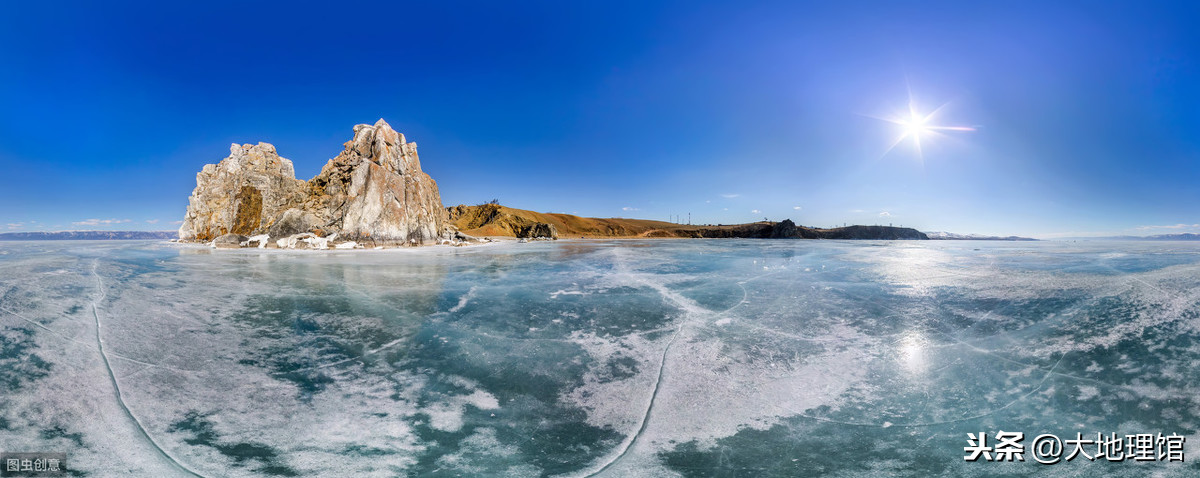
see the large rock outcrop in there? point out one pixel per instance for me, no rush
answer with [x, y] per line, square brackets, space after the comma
[784, 229]
[373, 192]
[242, 194]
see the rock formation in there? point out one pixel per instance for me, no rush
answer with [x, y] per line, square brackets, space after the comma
[242, 194]
[229, 241]
[374, 192]
[784, 229]
[538, 230]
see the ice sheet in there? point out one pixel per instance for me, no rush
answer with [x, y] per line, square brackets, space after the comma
[618, 358]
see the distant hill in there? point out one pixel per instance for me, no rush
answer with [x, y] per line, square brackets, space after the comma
[497, 220]
[87, 235]
[1187, 236]
[974, 237]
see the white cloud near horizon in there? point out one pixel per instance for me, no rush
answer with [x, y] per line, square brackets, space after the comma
[730, 195]
[99, 222]
[857, 211]
[152, 221]
[885, 214]
[756, 211]
[797, 208]
[628, 208]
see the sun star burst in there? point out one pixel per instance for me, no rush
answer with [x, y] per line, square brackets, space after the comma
[916, 126]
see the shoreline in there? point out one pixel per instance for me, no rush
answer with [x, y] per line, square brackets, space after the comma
[500, 241]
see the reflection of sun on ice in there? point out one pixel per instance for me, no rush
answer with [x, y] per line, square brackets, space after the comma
[912, 352]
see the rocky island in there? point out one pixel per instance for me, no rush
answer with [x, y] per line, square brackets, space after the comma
[374, 194]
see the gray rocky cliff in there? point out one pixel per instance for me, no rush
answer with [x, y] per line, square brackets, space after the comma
[373, 192]
[242, 194]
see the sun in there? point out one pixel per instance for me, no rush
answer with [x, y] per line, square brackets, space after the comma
[914, 126]
[918, 126]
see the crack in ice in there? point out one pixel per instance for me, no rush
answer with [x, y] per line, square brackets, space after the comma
[80, 342]
[113, 378]
[628, 445]
[687, 306]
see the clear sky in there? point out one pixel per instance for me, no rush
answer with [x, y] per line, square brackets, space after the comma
[1085, 115]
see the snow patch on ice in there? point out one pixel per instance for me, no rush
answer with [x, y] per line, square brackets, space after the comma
[555, 294]
[462, 301]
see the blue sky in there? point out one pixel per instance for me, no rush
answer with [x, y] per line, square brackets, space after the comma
[1086, 115]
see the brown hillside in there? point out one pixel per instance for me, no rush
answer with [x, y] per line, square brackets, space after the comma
[497, 220]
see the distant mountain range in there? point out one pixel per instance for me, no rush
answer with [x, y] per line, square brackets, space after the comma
[87, 235]
[1187, 236]
[936, 235]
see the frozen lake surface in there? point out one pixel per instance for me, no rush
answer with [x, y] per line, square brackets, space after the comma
[621, 358]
